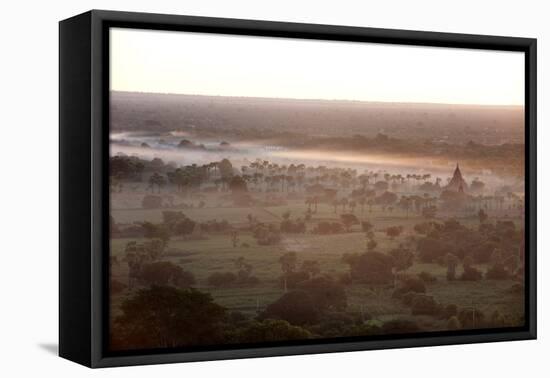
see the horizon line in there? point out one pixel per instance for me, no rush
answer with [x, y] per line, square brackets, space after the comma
[323, 99]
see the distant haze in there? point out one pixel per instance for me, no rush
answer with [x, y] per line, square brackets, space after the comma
[252, 118]
[245, 66]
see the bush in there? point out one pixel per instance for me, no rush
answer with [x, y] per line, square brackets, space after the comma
[398, 326]
[449, 311]
[164, 273]
[159, 231]
[326, 228]
[471, 318]
[425, 305]
[293, 227]
[406, 298]
[220, 279]
[272, 330]
[215, 226]
[497, 272]
[427, 277]
[471, 274]
[266, 235]
[453, 323]
[410, 285]
[482, 252]
[497, 320]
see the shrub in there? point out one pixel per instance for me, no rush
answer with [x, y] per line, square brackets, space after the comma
[517, 288]
[427, 277]
[471, 318]
[266, 235]
[349, 220]
[406, 298]
[326, 228]
[471, 274]
[497, 272]
[397, 326]
[220, 279]
[215, 226]
[293, 227]
[497, 320]
[449, 311]
[272, 330]
[164, 273]
[159, 231]
[453, 323]
[425, 305]
[482, 252]
[410, 285]
[394, 231]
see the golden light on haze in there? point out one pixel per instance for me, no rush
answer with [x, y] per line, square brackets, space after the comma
[224, 65]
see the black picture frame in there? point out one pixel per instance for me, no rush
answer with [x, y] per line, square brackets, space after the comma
[84, 195]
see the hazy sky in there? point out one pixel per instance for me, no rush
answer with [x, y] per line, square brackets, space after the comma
[205, 64]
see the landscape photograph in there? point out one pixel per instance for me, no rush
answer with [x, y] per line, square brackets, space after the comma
[271, 190]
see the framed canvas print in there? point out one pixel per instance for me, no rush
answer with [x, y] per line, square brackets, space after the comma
[236, 188]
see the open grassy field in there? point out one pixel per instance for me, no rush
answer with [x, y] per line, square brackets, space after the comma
[212, 253]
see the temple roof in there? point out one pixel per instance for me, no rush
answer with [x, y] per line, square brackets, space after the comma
[457, 182]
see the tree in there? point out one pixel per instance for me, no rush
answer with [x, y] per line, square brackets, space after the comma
[226, 168]
[452, 262]
[429, 212]
[288, 263]
[394, 231]
[482, 216]
[386, 199]
[158, 180]
[296, 307]
[164, 273]
[403, 258]
[327, 294]
[348, 220]
[477, 186]
[370, 267]
[270, 330]
[234, 238]
[310, 267]
[237, 185]
[381, 185]
[163, 317]
[366, 226]
[405, 203]
[371, 244]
